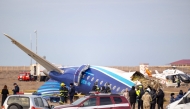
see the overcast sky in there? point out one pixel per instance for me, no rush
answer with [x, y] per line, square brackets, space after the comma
[96, 32]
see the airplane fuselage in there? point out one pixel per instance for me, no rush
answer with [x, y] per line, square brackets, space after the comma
[93, 74]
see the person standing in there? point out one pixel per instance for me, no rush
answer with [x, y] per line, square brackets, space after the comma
[139, 93]
[108, 89]
[16, 89]
[153, 102]
[71, 92]
[61, 90]
[95, 87]
[4, 93]
[132, 96]
[160, 98]
[65, 93]
[126, 94]
[178, 81]
[146, 100]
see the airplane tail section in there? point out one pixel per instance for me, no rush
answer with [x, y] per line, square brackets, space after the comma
[40, 60]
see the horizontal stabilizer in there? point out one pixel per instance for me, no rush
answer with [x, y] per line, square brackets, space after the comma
[47, 65]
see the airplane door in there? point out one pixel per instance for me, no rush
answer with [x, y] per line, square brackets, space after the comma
[78, 74]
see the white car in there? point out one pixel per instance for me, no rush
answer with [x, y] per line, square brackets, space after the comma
[26, 102]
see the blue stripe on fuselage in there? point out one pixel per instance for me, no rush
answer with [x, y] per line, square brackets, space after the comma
[113, 75]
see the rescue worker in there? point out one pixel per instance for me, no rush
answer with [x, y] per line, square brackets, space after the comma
[95, 87]
[139, 93]
[146, 100]
[71, 92]
[108, 89]
[63, 94]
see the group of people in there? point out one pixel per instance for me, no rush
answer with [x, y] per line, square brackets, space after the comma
[146, 98]
[102, 89]
[179, 96]
[5, 92]
[65, 93]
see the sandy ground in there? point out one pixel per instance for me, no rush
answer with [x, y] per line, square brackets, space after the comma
[8, 78]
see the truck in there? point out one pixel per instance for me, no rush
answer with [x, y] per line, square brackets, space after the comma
[183, 103]
[24, 76]
[36, 71]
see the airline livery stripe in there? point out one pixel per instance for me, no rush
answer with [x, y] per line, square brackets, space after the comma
[116, 76]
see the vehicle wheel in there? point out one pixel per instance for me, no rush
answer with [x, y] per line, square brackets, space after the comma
[15, 106]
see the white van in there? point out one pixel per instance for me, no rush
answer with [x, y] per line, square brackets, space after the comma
[26, 102]
[183, 103]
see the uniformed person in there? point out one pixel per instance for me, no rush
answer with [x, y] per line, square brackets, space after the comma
[139, 93]
[178, 81]
[108, 89]
[63, 94]
[95, 87]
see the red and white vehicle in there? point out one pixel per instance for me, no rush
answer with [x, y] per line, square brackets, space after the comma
[24, 76]
[97, 101]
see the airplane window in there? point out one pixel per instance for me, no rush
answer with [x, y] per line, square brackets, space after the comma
[117, 100]
[101, 82]
[90, 102]
[118, 89]
[114, 87]
[97, 80]
[105, 100]
[88, 77]
[92, 79]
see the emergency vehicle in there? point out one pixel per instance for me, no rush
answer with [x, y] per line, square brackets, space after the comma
[24, 76]
[98, 101]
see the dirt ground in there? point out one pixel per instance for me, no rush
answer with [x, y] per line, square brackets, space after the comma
[8, 78]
